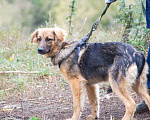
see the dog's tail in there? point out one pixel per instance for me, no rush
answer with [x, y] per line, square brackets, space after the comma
[140, 62]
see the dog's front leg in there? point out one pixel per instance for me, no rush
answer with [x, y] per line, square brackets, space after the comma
[93, 96]
[78, 89]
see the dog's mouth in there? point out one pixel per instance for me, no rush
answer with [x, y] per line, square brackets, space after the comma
[42, 51]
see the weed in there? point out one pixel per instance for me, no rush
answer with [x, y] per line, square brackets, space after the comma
[72, 12]
[133, 21]
[18, 54]
[34, 118]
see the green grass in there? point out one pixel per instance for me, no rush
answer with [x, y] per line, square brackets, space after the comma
[34, 118]
[25, 58]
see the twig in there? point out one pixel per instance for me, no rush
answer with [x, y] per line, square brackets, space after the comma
[83, 24]
[19, 72]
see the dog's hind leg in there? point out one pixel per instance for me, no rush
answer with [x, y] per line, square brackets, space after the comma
[140, 87]
[142, 92]
[93, 95]
[78, 87]
[122, 86]
[124, 94]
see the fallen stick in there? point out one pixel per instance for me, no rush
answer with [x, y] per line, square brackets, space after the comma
[19, 72]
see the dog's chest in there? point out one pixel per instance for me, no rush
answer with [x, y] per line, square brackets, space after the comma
[70, 71]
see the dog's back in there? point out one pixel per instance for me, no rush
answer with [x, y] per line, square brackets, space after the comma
[117, 57]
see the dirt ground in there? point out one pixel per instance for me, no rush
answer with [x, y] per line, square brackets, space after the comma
[55, 103]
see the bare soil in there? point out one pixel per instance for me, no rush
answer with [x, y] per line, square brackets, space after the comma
[55, 103]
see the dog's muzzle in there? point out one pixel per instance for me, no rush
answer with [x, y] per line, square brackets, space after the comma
[42, 51]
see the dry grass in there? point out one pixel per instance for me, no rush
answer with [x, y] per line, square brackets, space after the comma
[18, 54]
[46, 90]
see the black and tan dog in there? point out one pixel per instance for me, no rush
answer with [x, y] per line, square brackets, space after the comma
[122, 64]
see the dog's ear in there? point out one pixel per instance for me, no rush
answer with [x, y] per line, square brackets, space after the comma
[35, 36]
[59, 35]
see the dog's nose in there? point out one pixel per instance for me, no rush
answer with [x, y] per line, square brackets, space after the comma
[40, 50]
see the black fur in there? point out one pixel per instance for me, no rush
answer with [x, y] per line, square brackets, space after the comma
[98, 58]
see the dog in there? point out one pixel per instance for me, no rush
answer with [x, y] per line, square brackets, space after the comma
[119, 63]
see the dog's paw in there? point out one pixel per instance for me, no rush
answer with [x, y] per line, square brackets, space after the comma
[91, 117]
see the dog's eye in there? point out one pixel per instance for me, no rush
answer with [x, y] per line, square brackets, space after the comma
[48, 39]
[39, 39]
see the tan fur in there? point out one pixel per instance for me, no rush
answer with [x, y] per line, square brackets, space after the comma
[81, 53]
[132, 73]
[93, 96]
[50, 32]
[60, 49]
[125, 96]
[140, 86]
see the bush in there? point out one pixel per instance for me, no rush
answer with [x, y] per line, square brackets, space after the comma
[132, 18]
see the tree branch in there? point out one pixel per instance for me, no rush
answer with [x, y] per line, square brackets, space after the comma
[19, 72]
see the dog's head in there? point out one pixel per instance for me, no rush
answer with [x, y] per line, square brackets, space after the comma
[49, 40]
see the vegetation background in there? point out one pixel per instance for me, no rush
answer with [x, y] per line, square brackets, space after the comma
[33, 13]
[123, 22]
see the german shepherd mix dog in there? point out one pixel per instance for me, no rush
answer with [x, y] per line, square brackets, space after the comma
[119, 63]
